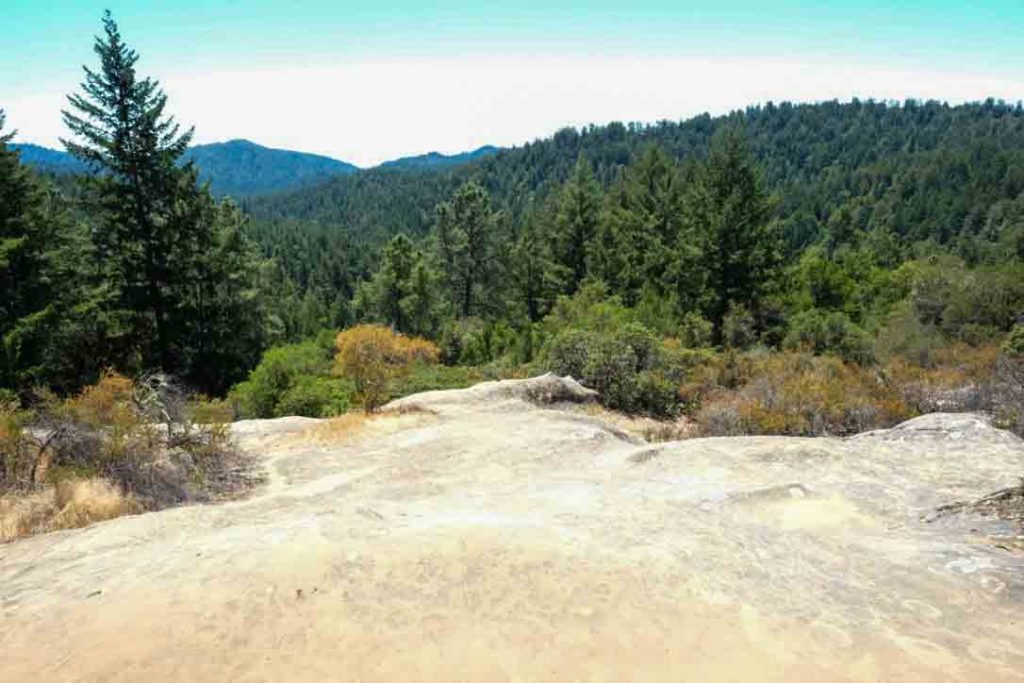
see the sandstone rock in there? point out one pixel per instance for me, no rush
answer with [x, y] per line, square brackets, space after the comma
[506, 539]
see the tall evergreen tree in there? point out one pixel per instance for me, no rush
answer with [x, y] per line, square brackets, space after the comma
[25, 236]
[220, 321]
[644, 222]
[579, 208]
[535, 274]
[123, 133]
[401, 293]
[466, 234]
[158, 229]
[729, 206]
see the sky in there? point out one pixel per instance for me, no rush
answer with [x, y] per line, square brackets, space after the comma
[371, 81]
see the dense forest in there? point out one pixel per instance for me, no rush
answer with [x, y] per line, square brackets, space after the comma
[627, 255]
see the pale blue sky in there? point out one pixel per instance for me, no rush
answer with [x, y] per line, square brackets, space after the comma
[366, 81]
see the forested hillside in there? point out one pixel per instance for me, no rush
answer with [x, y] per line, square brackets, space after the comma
[889, 182]
[918, 170]
[436, 160]
[48, 160]
[238, 167]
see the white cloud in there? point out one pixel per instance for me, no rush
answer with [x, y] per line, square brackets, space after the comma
[366, 112]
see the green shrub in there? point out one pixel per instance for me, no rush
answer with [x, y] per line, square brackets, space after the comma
[472, 341]
[624, 367]
[1013, 345]
[738, 328]
[657, 395]
[430, 377]
[1008, 399]
[695, 331]
[570, 351]
[829, 334]
[905, 335]
[277, 373]
[312, 396]
[592, 308]
[974, 306]
[613, 371]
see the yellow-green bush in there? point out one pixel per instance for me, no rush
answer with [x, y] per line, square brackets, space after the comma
[372, 355]
[802, 394]
[797, 394]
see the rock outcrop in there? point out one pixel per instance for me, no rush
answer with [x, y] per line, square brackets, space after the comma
[486, 534]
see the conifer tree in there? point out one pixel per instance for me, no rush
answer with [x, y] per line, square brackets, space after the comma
[576, 224]
[536, 276]
[158, 229]
[122, 133]
[401, 293]
[466, 234]
[729, 206]
[644, 224]
[25, 237]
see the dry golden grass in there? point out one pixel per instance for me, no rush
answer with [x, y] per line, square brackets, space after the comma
[340, 428]
[80, 502]
[804, 395]
[358, 424]
[71, 504]
[647, 428]
[23, 514]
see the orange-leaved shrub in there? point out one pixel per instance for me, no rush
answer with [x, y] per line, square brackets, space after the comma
[372, 355]
[803, 395]
[795, 394]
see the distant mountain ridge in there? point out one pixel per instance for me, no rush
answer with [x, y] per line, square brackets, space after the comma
[241, 168]
[46, 159]
[437, 160]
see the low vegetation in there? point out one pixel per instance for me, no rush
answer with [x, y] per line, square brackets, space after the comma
[371, 356]
[119, 446]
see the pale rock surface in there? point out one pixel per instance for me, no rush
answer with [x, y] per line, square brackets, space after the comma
[485, 534]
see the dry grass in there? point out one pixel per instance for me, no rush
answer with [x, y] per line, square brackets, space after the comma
[340, 428]
[803, 395]
[358, 424]
[80, 502]
[116, 448]
[649, 429]
[71, 504]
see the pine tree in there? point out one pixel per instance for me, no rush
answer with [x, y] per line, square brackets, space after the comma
[26, 235]
[401, 293]
[181, 269]
[645, 220]
[124, 134]
[576, 224]
[535, 274]
[466, 234]
[420, 304]
[730, 208]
